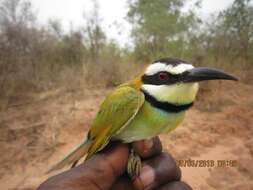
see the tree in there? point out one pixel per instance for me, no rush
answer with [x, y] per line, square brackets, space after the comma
[73, 48]
[16, 12]
[238, 24]
[159, 27]
[95, 36]
[16, 36]
[230, 33]
[55, 27]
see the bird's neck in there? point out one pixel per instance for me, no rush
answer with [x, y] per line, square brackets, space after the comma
[166, 106]
[173, 98]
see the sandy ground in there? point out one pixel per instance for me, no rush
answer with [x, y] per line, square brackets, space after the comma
[38, 130]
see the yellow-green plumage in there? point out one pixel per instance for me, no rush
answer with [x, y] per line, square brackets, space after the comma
[149, 122]
[115, 113]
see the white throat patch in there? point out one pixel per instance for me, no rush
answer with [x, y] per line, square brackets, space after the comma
[177, 69]
[175, 94]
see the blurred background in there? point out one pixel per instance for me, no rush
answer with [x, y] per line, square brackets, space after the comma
[58, 60]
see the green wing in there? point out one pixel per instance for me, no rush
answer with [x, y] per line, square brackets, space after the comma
[118, 109]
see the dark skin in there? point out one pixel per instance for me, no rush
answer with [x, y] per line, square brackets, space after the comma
[106, 171]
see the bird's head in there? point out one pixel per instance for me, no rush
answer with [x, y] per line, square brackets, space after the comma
[176, 81]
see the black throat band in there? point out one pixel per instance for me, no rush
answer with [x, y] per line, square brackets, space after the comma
[165, 106]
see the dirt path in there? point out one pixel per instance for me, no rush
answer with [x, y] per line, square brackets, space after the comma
[220, 127]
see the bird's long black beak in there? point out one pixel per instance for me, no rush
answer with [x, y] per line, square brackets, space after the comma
[203, 73]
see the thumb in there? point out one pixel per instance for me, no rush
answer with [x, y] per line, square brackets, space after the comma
[99, 172]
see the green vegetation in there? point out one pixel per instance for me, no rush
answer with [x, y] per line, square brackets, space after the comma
[160, 28]
[37, 58]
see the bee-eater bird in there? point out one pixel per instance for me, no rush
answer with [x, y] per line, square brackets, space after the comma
[153, 103]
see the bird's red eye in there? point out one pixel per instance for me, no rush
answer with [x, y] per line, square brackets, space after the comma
[163, 76]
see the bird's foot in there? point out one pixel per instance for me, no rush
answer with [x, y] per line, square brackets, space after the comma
[133, 165]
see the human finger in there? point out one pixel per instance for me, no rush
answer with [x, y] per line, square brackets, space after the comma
[176, 185]
[123, 183]
[99, 172]
[147, 148]
[156, 172]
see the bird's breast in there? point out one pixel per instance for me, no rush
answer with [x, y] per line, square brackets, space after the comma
[149, 122]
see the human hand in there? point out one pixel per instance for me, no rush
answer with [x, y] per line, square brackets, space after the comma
[106, 171]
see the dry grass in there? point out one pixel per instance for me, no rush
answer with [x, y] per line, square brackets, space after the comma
[74, 78]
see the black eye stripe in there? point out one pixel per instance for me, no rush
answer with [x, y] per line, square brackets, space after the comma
[154, 79]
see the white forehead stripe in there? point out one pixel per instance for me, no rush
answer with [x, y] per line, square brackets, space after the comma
[158, 67]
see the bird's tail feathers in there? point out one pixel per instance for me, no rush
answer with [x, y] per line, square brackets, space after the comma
[73, 156]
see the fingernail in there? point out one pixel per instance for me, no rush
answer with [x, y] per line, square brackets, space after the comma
[146, 178]
[148, 144]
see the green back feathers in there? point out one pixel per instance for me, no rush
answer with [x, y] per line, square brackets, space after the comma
[118, 109]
